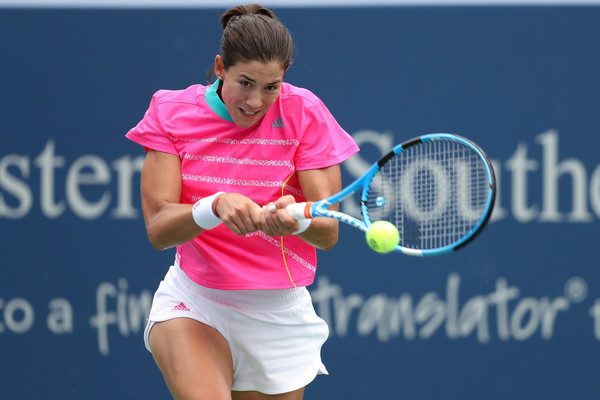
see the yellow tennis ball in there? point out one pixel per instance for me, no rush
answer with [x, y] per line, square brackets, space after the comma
[382, 236]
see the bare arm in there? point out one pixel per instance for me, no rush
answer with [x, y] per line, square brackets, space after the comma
[316, 184]
[170, 223]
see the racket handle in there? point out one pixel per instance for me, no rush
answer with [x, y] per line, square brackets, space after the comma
[299, 211]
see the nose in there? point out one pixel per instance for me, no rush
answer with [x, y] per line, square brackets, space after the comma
[254, 99]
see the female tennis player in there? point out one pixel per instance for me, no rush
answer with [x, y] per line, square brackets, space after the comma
[232, 318]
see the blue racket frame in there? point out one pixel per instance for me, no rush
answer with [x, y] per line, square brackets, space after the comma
[320, 208]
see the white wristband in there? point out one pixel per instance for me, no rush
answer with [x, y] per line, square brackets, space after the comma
[203, 213]
[304, 224]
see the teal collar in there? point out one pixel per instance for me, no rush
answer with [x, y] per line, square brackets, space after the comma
[215, 103]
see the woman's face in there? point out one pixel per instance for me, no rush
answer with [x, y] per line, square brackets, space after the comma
[249, 89]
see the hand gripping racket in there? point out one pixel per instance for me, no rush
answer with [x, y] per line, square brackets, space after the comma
[437, 189]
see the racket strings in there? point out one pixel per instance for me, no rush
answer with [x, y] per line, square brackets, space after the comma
[435, 193]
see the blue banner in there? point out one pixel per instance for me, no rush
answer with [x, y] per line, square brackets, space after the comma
[515, 314]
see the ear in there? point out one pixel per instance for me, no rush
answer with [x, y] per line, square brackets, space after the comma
[219, 66]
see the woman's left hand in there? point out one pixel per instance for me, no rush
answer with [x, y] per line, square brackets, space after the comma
[274, 219]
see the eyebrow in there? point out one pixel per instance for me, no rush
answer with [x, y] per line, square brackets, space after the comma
[254, 81]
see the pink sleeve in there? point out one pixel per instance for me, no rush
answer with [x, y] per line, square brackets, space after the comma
[324, 142]
[149, 132]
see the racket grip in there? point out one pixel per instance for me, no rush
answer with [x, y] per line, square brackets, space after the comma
[299, 211]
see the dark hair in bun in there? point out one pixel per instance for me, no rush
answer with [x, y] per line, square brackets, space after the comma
[253, 33]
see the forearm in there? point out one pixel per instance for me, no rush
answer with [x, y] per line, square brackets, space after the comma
[172, 225]
[316, 185]
[322, 233]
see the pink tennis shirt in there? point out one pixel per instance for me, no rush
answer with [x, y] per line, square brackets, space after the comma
[297, 133]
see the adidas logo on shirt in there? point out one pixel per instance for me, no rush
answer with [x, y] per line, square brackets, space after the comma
[181, 307]
[278, 123]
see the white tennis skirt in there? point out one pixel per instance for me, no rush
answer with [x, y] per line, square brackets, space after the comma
[275, 336]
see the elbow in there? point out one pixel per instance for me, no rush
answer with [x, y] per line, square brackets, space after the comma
[327, 248]
[327, 235]
[329, 243]
[156, 241]
[158, 246]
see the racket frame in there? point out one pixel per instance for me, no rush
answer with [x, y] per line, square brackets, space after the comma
[320, 208]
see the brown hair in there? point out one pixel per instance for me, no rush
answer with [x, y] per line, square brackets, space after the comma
[253, 33]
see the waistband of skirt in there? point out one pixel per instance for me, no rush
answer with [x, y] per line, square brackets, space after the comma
[263, 299]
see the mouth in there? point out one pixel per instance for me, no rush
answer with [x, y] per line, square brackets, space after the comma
[248, 113]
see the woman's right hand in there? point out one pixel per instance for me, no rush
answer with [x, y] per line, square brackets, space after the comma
[240, 214]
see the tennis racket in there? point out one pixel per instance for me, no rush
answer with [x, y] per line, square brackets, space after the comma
[437, 189]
